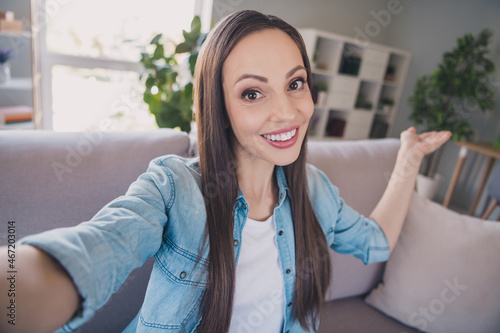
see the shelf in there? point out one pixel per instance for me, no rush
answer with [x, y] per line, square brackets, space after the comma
[326, 54]
[390, 84]
[380, 113]
[24, 34]
[363, 86]
[17, 83]
[316, 71]
[396, 63]
[367, 96]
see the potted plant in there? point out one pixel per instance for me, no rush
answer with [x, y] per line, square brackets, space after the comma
[4, 65]
[445, 99]
[169, 68]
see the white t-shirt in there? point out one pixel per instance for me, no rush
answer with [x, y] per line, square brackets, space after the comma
[258, 304]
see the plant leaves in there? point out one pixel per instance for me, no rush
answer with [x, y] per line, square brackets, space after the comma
[196, 25]
[192, 62]
[156, 39]
[183, 47]
[159, 52]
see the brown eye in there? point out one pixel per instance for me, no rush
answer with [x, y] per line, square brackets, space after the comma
[251, 95]
[297, 84]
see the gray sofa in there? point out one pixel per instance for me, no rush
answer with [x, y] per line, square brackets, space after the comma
[51, 180]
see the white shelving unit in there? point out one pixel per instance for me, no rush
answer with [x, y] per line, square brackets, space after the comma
[364, 85]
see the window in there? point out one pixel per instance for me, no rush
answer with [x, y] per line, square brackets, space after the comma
[90, 59]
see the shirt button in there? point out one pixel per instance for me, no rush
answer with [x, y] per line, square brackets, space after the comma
[183, 275]
[236, 242]
[290, 304]
[288, 271]
[280, 233]
[244, 205]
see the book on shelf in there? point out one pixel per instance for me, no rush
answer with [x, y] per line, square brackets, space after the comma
[16, 114]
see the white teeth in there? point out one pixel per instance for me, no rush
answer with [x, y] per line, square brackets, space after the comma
[281, 137]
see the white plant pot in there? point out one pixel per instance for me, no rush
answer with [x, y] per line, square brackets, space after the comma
[4, 73]
[427, 187]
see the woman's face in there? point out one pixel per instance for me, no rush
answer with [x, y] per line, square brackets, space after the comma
[267, 98]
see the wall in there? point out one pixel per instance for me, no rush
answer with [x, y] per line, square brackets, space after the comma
[339, 16]
[427, 29]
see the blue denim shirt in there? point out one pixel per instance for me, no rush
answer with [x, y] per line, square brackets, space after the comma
[163, 215]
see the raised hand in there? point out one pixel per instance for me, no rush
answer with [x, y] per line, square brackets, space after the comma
[422, 144]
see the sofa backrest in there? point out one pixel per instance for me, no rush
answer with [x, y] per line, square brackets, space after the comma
[361, 170]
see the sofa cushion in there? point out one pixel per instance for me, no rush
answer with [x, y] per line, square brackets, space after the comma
[444, 273]
[353, 315]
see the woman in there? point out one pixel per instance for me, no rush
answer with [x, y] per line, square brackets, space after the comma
[245, 227]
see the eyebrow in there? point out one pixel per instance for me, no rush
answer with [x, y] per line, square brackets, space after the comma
[251, 76]
[264, 79]
[293, 70]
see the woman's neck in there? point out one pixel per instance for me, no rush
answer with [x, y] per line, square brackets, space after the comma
[258, 184]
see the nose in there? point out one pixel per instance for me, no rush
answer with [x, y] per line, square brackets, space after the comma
[282, 110]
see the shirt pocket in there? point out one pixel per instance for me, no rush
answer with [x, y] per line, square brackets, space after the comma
[174, 293]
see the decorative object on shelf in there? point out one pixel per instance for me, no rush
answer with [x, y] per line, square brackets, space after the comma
[350, 65]
[321, 91]
[459, 84]
[169, 85]
[4, 65]
[363, 103]
[389, 73]
[335, 127]
[9, 24]
[386, 104]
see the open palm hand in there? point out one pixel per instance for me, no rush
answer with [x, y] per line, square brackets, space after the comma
[424, 143]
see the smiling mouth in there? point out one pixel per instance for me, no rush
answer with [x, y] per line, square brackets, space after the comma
[281, 136]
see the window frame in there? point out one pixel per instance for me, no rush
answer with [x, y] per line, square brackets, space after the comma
[48, 59]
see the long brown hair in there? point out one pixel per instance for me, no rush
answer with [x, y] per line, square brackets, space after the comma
[220, 185]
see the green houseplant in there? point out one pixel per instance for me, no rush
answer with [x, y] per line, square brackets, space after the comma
[459, 86]
[169, 68]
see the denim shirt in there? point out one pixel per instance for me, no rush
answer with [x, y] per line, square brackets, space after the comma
[163, 215]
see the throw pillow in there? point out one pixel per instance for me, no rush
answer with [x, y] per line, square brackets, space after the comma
[444, 272]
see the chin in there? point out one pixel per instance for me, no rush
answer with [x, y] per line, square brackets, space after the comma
[287, 158]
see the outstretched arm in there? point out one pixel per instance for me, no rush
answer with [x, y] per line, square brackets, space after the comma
[391, 210]
[40, 297]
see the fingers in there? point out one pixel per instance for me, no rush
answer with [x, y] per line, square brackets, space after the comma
[433, 141]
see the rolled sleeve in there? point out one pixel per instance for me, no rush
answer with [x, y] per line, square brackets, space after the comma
[360, 236]
[101, 253]
[346, 230]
